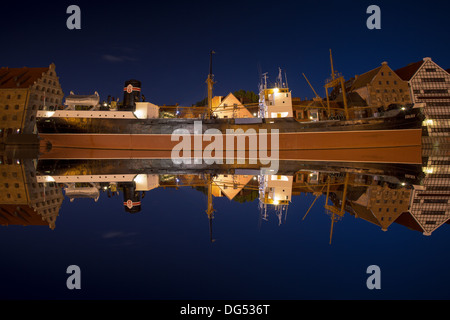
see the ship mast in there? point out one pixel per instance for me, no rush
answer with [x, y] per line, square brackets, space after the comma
[210, 209]
[336, 214]
[210, 83]
[334, 82]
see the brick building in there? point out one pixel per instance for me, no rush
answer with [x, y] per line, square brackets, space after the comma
[23, 199]
[429, 85]
[381, 87]
[23, 91]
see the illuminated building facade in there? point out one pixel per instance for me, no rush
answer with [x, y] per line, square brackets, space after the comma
[22, 196]
[23, 91]
[429, 85]
[429, 205]
[229, 107]
[381, 87]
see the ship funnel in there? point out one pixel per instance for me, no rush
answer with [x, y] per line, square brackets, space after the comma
[131, 95]
[131, 198]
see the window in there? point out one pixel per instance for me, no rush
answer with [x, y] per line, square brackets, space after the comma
[435, 91]
[19, 96]
[382, 73]
[390, 73]
[430, 212]
[6, 107]
[430, 70]
[433, 79]
[438, 104]
[395, 82]
[379, 82]
[387, 82]
[16, 107]
[8, 96]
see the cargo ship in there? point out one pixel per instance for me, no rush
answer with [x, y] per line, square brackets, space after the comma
[135, 125]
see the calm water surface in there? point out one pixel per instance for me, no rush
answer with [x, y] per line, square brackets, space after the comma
[284, 236]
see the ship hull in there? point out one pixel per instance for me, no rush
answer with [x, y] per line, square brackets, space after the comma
[286, 141]
[402, 129]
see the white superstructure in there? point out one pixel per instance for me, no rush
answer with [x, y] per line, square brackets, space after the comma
[276, 101]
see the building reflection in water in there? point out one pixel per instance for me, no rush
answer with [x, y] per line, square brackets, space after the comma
[23, 199]
[413, 195]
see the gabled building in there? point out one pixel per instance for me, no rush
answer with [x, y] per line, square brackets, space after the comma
[429, 206]
[381, 87]
[229, 185]
[23, 199]
[229, 107]
[429, 85]
[24, 91]
[382, 205]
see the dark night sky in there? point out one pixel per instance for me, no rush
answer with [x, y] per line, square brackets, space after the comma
[166, 44]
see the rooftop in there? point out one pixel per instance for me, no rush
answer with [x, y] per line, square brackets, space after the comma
[24, 77]
[365, 78]
[407, 72]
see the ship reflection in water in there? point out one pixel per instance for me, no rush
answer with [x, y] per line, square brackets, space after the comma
[414, 194]
[197, 231]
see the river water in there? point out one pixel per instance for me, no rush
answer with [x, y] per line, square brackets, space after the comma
[145, 229]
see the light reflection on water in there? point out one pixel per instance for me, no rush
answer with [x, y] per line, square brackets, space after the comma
[142, 229]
